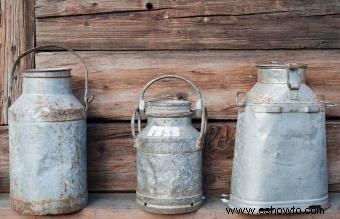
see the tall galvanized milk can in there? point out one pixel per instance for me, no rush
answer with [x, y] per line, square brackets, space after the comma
[280, 153]
[47, 143]
[169, 154]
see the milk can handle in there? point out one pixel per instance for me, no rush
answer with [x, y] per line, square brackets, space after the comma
[199, 102]
[204, 124]
[133, 118]
[293, 77]
[327, 103]
[87, 99]
[239, 102]
[200, 110]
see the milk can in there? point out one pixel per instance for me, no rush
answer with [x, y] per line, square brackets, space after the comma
[47, 143]
[280, 151]
[169, 153]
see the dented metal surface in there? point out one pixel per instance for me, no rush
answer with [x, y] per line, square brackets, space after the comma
[47, 146]
[280, 156]
[169, 156]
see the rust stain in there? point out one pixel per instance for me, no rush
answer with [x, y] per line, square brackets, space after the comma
[66, 205]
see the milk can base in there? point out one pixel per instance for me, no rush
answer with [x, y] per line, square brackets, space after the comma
[49, 207]
[264, 206]
[170, 206]
[163, 209]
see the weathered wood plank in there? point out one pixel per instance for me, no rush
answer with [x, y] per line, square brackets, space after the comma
[2, 60]
[4, 161]
[111, 157]
[2, 39]
[16, 36]
[250, 26]
[47, 8]
[123, 205]
[117, 78]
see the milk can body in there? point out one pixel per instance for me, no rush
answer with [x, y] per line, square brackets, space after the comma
[47, 139]
[169, 159]
[280, 152]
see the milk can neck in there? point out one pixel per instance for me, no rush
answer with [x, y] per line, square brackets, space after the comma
[175, 121]
[169, 112]
[278, 74]
[46, 81]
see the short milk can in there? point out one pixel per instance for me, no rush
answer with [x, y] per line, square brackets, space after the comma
[169, 154]
[47, 143]
[280, 152]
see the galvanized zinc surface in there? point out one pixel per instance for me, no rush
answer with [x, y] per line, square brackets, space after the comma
[169, 156]
[47, 143]
[280, 152]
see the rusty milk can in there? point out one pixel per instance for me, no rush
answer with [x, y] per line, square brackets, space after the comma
[280, 151]
[47, 143]
[169, 154]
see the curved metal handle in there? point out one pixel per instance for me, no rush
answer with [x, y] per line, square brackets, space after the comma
[204, 125]
[200, 109]
[238, 102]
[294, 77]
[133, 119]
[199, 102]
[329, 104]
[38, 48]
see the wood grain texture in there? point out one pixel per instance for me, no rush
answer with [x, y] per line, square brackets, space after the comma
[47, 8]
[2, 60]
[207, 25]
[4, 160]
[16, 36]
[111, 157]
[117, 78]
[122, 206]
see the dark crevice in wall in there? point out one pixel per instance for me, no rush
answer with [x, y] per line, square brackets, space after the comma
[149, 7]
[104, 13]
[189, 50]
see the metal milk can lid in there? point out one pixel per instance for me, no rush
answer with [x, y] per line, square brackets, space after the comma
[47, 73]
[274, 64]
[275, 72]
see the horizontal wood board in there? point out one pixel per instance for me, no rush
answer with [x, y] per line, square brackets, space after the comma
[123, 205]
[235, 29]
[192, 24]
[48, 8]
[117, 78]
[111, 157]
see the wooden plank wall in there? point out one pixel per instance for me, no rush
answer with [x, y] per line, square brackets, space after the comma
[117, 77]
[16, 36]
[111, 157]
[189, 24]
[214, 43]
